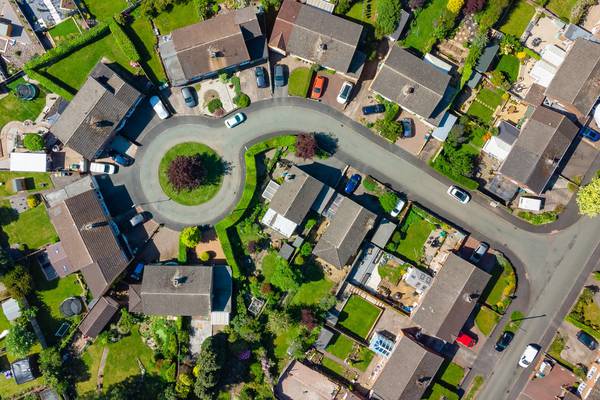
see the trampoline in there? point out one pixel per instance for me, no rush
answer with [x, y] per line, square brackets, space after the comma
[71, 307]
[26, 91]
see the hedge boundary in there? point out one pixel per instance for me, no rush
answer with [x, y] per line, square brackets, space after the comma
[124, 42]
[251, 181]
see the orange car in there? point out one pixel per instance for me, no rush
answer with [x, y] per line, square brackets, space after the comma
[318, 87]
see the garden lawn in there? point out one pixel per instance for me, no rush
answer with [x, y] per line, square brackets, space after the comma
[179, 16]
[14, 109]
[485, 104]
[356, 12]
[556, 347]
[211, 162]
[311, 293]
[103, 10]
[91, 359]
[340, 346]
[475, 386]
[486, 320]
[504, 285]
[358, 316]
[562, 8]
[140, 33]
[269, 262]
[392, 273]
[446, 385]
[365, 356]
[414, 231]
[518, 18]
[282, 343]
[337, 369]
[4, 324]
[516, 319]
[66, 30]
[510, 65]
[10, 389]
[420, 36]
[36, 181]
[31, 228]
[299, 81]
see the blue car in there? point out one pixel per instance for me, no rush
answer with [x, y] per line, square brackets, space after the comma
[373, 109]
[590, 134]
[352, 184]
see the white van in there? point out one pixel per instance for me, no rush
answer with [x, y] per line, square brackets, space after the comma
[529, 355]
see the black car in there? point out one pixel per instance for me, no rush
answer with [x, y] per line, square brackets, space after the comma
[261, 79]
[373, 109]
[588, 340]
[504, 340]
[122, 159]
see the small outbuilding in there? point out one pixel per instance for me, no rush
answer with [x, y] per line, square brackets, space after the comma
[22, 371]
[11, 309]
[29, 162]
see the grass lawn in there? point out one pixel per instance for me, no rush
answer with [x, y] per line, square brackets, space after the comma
[179, 16]
[32, 228]
[269, 262]
[485, 104]
[475, 386]
[337, 369]
[510, 65]
[439, 392]
[103, 9]
[392, 273]
[140, 33]
[358, 316]
[365, 356]
[504, 284]
[453, 374]
[562, 8]
[486, 320]
[556, 347]
[91, 359]
[214, 177]
[356, 12]
[66, 30]
[445, 385]
[420, 36]
[14, 109]
[37, 181]
[413, 233]
[72, 70]
[340, 346]
[518, 18]
[10, 389]
[516, 319]
[311, 293]
[282, 343]
[299, 81]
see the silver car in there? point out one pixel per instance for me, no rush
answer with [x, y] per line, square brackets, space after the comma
[462, 196]
[235, 120]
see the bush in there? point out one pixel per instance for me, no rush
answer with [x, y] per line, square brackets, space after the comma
[388, 201]
[310, 223]
[389, 129]
[34, 142]
[33, 200]
[191, 236]
[214, 105]
[242, 100]
[306, 249]
[588, 198]
[538, 219]
[299, 260]
[20, 339]
[18, 282]
[186, 172]
[343, 6]
[388, 15]
[454, 6]
[124, 41]
[306, 146]
[204, 256]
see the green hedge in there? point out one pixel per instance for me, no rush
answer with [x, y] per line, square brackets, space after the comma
[222, 227]
[124, 41]
[182, 254]
[583, 327]
[50, 84]
[464, 181]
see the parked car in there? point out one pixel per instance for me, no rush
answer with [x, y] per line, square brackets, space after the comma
[188, 96]
[102, 168]
[139, 219]
[261, 77]
[122, 159]
[279, 76]
[531, 351]
[459, 194]
[136, 275]
[588, 340]
[466, 339]
[318, 87]
[344, 93]
[352, 183]
[159, 107]
[590, 134]
[504, 340]
[479, 252]
[373, 109]
[407, 128]
[398, 208]
[235, 120]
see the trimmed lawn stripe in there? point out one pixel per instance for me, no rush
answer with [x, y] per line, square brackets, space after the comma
[486, 320]
[420, 36]
[518, 18]
[299, 81]
[340, 346]
[358, 316]
[180, 15]
[562, 8]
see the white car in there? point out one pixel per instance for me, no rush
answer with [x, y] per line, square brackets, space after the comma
[398, 208]
[235, 120]
[345, 92]
[529, 355]
[462, 196]
[102, 168]
[159, 107]
[138, 219]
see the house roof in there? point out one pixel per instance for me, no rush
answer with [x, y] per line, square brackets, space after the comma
[577, 80]
[316, 35]
[411, 82]
[95, 111]
[89, 240]
[190, 297]
[99, 316]
[447, 303]
[188, 52]
[301, 382]
[541, 145]
[135, 300]
[409, 365]
[345, 233]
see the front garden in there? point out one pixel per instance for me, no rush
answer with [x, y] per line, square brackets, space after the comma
[502, 286]
[585, 314]
[299, 81]
[358, 316]
[486, 320]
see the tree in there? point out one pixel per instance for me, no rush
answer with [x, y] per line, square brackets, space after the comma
[207, 369]
[306, 146]
[191, 236]
[125, 323]
[343, 6]
[214, 105]
[241, 100]
[474, 6]
[284, 277]
[416, 4]
[6, 262]
[388, 201]
[183, 385]
[186, 172]
[34, 142]
[588, 198]
[306, 249]
[20, 339]
[461, 164]
[51, 367]
[18, 282]
[454, 6]
[204, 256]
[388, 15]
[279, 322]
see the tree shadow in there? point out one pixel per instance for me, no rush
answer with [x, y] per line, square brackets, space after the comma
[216, 168]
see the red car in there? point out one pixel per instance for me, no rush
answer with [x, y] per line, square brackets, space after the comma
[318, 87]
[466, 340]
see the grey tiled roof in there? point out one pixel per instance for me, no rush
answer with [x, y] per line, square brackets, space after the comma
[447, 303]
[542, 143]
[95, 111]
[99, 316]
[411, 82]
[345, 233]
[409, 365]
[577, 81]
[296, 195]
[191, 298]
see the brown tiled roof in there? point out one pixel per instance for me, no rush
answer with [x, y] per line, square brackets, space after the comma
[99, 316]
[135, 300]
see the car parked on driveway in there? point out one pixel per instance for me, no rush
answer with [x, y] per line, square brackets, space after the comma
[159, 107]
[398, 208]
[235, 120]
[139, 219]
[590, 134]
[279, 76]
[459, 194]
[122, 159]
[318, 87]
[531, 351]
[466, 339]
[479, 252]
[373, 109]
[407, 128]
[188, 96]
[102, 168]
[136, 275]
[504, 340]
[352, 184]
[587, 340]
[261, 77]
[345, 92]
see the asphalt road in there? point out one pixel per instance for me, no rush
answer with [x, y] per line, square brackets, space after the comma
[551, 265]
